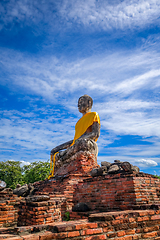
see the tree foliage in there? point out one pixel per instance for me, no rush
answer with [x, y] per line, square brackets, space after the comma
[13, 173]
[36, 171]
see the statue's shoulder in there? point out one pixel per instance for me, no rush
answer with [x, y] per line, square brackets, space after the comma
[96, 117]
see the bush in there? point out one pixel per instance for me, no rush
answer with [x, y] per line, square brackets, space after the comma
[12, 173]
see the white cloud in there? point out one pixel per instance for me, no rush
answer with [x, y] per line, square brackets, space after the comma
[93, 14]
[23, 163]
[108, 15]
[121, 73]
[31, 132]
[146, 163]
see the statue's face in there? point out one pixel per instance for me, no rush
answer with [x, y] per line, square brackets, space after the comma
[83, 104]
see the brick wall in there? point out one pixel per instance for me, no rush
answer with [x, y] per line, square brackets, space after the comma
[41, 212]
[8, 208]
[108, 192]
[125, 225]
[121, 192]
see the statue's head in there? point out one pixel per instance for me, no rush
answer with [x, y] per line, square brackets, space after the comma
[85, 103]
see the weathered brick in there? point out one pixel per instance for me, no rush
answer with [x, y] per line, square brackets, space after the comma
[155, 217]
[30, 237]
[121, 233]
[130, 231]
[111, 234]
[92, 231]
[62, 235]
[15, 238]
[141, 219]
[124, 238]
[149, 235]
[150, 229]
[108, 229]
[86, 225]
[98, 237]
[73, 234]
[46, 236]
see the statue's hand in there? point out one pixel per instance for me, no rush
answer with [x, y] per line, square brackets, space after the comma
[54, 150]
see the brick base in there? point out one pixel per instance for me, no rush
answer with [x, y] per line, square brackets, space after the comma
[124, 225]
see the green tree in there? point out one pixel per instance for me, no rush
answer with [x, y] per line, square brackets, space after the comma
[11, 173]
[36, 171]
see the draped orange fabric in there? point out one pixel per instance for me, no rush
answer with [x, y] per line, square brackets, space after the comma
[84, 123]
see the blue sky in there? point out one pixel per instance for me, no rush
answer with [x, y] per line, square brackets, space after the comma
[52, 52]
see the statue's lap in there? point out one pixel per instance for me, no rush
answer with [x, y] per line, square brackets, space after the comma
[79, 158]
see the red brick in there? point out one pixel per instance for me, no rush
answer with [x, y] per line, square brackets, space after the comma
[85, 226]
[115, 222]
[151, 229]
[131, 219]
[111, 235]
[108, 229]
[136, 237]
[46, 236]
[98, 237]
[124, 238]
[30, 237]
[62, 235]
[155, 217]
[141, 219]
[149, 235]
[73, 234]
[92, 231]
[130, 231]
[15, 238]
[121, 233]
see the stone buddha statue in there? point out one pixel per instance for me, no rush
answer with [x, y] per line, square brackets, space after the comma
[87, 131]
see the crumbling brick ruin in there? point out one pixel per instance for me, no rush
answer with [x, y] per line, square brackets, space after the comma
[122, 205]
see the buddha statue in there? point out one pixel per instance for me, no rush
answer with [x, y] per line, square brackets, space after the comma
[87, 131]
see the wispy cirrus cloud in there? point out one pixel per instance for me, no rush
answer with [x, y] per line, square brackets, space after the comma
[121, 73]
[102, 14]
[108, 15]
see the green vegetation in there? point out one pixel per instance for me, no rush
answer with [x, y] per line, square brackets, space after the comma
[157, 176]
[12, 173]
[66, 216]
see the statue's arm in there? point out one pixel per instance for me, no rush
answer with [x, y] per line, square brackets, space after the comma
[94, 134]
[61, 147]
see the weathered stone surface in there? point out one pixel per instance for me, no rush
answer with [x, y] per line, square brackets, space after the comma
[37, 198]
[71, 153]
[126, 166]
[107, 164]
[118, 167]
[113, 169]
[7, 190]
[81, 207]
[96, 172]
[82, 159]
[82, 162]
[117, 161]
[135, 168]
[22, 191]
[25, 190]
[2, 185]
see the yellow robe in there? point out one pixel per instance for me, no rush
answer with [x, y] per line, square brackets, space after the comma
[84, 123]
